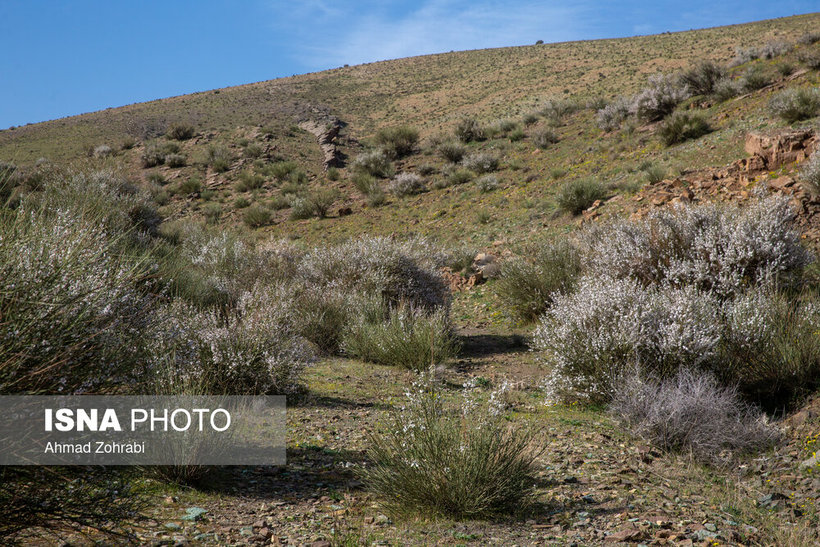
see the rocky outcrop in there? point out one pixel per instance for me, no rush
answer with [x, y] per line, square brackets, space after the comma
[326, 131]
[736, 182]
[780, 148]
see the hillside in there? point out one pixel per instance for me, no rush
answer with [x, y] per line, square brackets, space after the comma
[430, 94]
[246, 266]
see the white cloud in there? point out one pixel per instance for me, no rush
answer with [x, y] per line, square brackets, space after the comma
[372, 32]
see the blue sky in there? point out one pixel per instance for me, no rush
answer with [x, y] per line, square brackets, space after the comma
[68, 57]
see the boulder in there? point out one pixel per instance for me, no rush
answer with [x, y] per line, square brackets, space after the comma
[783, 147]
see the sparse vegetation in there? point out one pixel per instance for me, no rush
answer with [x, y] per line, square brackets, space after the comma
[659, 99]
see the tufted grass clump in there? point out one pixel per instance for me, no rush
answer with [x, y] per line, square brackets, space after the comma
[218, 157]
[459, 461]
[398, 142]
[577, 195]
[176, 160]
[527, 284]
[409, 338]
[683, 126]
[794, 105]
[257, 216]
[691, 412]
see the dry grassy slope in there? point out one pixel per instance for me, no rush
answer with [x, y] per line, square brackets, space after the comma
[427, 91]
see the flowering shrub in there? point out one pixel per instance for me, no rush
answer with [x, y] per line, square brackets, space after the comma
[659, 98]
[462, 461]
[469, 129]
[810, 173]
[487, 183]
[592, 336]
[794, 105]
[721, 249]
[73, 306]
[253, 350]
[398, 271]
[611, 116]
[693, 288]
[691, 412]
[375, 163]
[406, 184]
[481, 162]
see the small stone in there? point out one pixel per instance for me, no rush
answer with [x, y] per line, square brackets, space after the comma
[194, 514]
[246, 531]
[381, 520]
[172, 526]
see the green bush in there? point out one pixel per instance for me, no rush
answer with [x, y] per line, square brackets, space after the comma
[175, 160]
[189, 186]
[253, 150]
[459, 176]
[703, 77]
[469, 130]
[398, 142]
[544, 137]
[212, 212]
[241, 202]
[281, 170]
[408, 338]
[219, 157]
[452, 151]
[682, 126]
[437, 459]
[248, 180]
[323, 199]
[754, 78]
[527, 284]
[257, 216]
[577, 195]
[794, 105]
[180, 132]
[333, 174]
